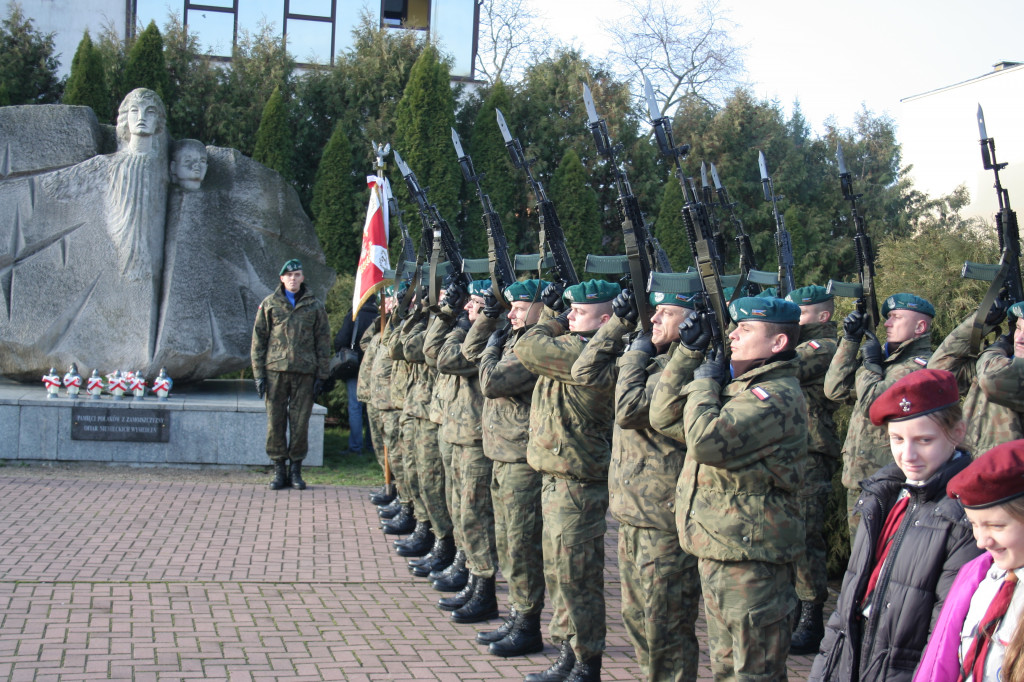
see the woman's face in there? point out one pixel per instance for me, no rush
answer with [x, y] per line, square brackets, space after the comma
[143, 118]
[920, 446]
[999, 534]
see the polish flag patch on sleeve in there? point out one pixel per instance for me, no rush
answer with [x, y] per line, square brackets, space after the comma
[760, 393]
[921, 361]
[814, 344]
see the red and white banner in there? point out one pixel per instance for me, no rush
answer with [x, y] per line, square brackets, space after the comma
[373, 256]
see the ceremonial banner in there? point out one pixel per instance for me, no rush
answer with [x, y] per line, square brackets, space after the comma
[373, 256]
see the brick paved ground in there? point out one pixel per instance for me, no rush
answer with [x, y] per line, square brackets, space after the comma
[169, 580]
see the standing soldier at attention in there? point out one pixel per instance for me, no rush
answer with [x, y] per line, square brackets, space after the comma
[859, 381]
[291, 350]
[378, 388]
[660, 583]
[737, 500]
[570, 445]
[814, 355]
[507, 387]
[992, 382]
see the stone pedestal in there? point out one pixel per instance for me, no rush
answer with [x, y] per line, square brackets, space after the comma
[213, 422]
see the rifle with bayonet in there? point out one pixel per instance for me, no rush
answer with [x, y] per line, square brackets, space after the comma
[419, 197]
[713, 302]
[1006, 286]
[864, 292]
[782, 241]
[552, 239]
[498, 260]
[748, 262]
[640, 250]
[708, 199]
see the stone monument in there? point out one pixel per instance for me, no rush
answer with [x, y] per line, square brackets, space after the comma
[120, 247]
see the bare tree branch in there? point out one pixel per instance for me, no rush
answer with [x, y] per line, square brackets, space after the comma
[510, 39]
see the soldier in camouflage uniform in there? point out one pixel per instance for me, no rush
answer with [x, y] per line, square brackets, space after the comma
[858, 381]
[992, 381]
[369, 342]
[291, 350]
[818, 342]
[382, 379]
[660, 583]
[570, 445]
[507, 387]
[737, 499]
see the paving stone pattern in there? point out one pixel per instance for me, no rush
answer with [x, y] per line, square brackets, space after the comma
[137, 580]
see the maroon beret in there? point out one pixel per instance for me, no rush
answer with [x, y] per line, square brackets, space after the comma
[994, 478]
[918, 393]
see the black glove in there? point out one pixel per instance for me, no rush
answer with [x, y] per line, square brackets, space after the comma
[492, 306]
[1004, 344]
[853, 326]
[644, 344]
[552, 296]
[563, 319]
[462, 321]
[318, 387]
[624, 306]
[497, 337]
[998, 312]
[714, 367]
[695, 332]
[261, 388]
[871, 354]
[455, 296]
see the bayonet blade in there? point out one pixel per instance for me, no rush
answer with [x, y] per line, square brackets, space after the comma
[763, 166]
[703, 174]
[503, 126]
[402, 166]
[588, 102]
[981, 123]
[458, 144]
[652, 103]
[715, 178]
[841, 159]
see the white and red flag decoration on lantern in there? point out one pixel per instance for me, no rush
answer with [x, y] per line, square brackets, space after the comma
[373, 256]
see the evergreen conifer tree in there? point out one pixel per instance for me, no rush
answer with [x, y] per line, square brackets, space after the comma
[273, 140]
[28, 67]
[336, 203]
[87, 84]
[669, 227]
[578, 210]
[146, 67]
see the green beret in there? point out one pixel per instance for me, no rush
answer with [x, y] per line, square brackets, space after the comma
[402, 286]
[291, 266]
[525, 290]
[764, 310]
[769, 292]
[809, 295]
[1017, 309]
[907, 302]
[478, 286]
[592, 291]
[389, 290]
[727, 292]
[667, 298]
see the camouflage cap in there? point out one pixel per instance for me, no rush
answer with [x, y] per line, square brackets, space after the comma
[809, 295]
[668, 298]
[907, 302]
[527, 290]
[291, 266]
[764, 310]
[478, 286]
[592, 291]
[769, 292]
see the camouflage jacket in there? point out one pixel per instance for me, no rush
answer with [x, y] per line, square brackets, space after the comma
[645, 464]
[992, 383]
[380, 373]
[286, 339]
[370, 342]
[421, 386]
[817, 347]
[866, 449]
[463, 423]
[401, 371]
[737, 498]
[444, 384]
[507, 388]
[570, 422]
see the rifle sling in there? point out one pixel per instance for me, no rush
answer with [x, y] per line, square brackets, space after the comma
[636, 274]
[978, 329]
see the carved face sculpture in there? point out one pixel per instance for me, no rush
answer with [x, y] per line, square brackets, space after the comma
[141, 114]
[188, 164]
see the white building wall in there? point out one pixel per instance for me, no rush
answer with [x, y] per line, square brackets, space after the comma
[68, 19]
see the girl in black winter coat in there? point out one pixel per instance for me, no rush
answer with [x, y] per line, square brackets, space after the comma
[911, 541]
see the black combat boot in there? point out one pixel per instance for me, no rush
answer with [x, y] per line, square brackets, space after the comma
[297, 481]
[402, 524]
[810, 629]
[280, 475]
[424, 559]
[523, 639]
[483, 605]
[586, 671]
[560, 669]
[382, 496]
[453, 578]
[488, 636]
[458, 560]
[419, 543]
[460, 597]
[390, 510]
[442, 556]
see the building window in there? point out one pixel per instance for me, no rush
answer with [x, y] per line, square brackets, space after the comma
[413, 14]
[309, 29]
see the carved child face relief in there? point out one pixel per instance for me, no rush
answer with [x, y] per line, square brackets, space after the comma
[188, 166]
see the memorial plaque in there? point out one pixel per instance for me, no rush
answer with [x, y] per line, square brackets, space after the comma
[120, 424]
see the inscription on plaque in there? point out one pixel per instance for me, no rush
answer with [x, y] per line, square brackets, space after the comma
[120, 424]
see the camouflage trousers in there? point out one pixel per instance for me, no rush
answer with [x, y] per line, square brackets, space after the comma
[289, 407]
[476, 514]
[660, 602]
[410, 485]
[376, 432]
[452, 484]
[811, 568]
[749, 608]
[515, 493]
[430, 470]
[573, 545]
[390, 427]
